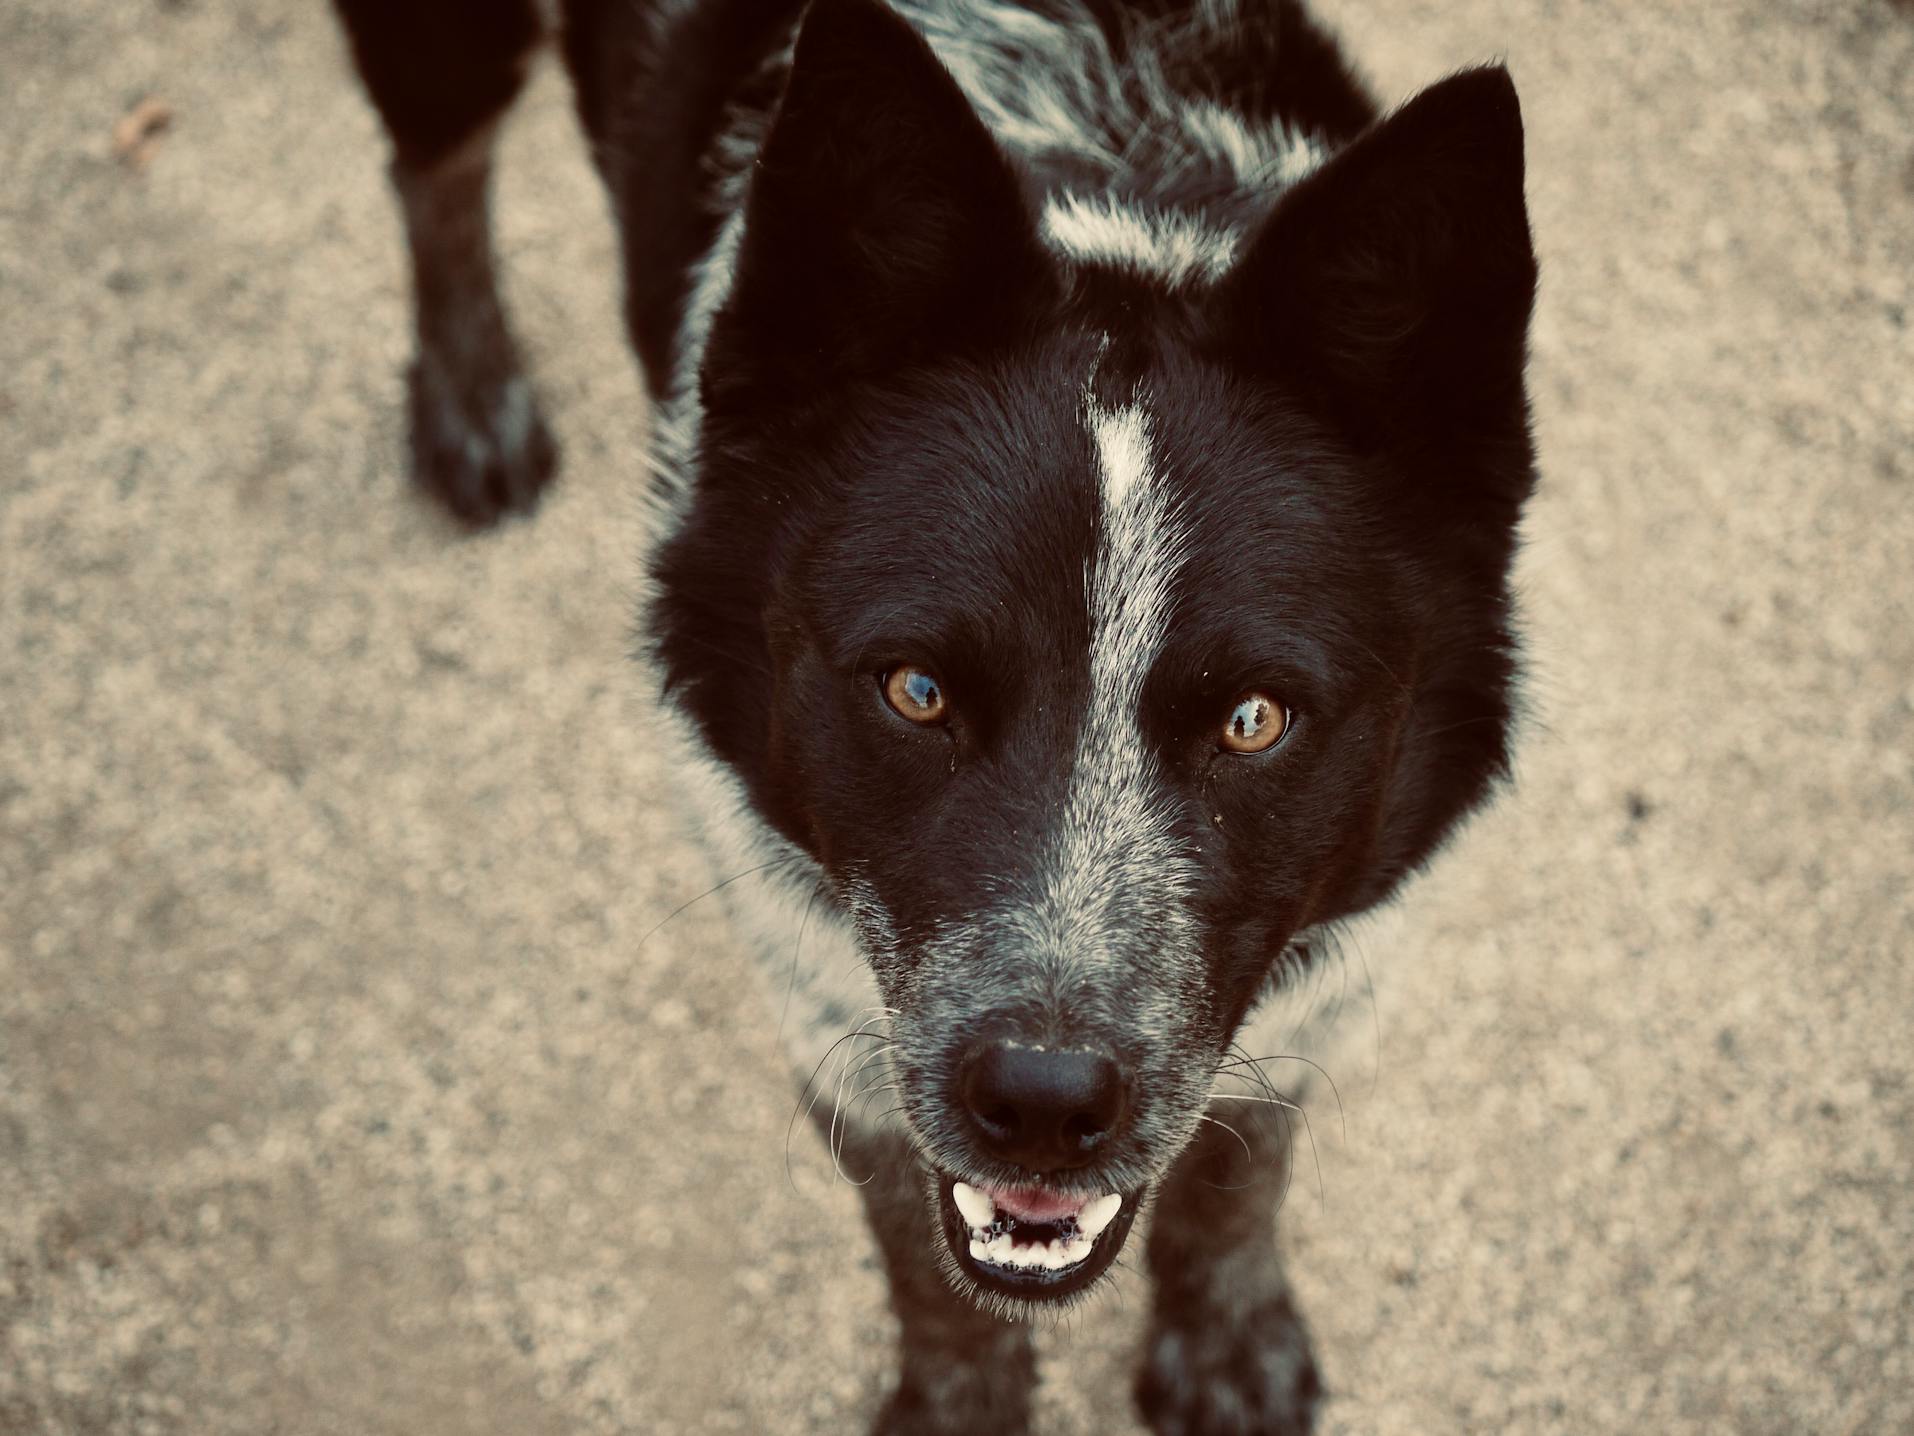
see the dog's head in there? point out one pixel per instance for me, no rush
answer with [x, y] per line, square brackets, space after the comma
[1098, 633]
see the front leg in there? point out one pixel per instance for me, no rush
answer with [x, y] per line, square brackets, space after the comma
[963, 1371]
[1227, 1353]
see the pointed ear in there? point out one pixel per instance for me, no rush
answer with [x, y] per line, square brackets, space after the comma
[1395, 283]
[882, 221]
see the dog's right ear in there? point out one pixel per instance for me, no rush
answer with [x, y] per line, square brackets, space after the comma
[883, 222]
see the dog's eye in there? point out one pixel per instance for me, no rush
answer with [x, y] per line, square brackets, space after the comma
[915, 694]
[1256, 724]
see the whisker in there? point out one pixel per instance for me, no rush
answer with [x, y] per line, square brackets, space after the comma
[1257, 1063]
[1309, 1131]
[843, 1133]
[838, 1134]
[717, 887]
[1289, 1159]
[800, 1109]
[1284, 1106]
[1375, 1011]
[1216, 1122]
[1314, 970]
[1260, 1079]
[1283, 1102]
[1339, 943]
[790, 986]
[873, 1088]
[1342, 993]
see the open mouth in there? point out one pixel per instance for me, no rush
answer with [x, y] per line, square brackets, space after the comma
[1033, 1243]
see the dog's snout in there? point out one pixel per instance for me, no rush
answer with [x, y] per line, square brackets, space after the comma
[1046, 1111]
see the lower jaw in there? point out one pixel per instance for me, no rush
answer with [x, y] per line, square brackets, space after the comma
[1013, 1286]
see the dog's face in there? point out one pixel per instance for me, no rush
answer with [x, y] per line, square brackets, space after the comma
[1098, 637]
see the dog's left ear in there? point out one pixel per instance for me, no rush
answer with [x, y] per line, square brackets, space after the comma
[1395, 283]
[882, 222]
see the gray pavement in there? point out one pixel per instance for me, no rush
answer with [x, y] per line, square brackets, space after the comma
[340, 1090]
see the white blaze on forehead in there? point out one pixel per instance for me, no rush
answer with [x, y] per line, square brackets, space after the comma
[1113, 845]
[1138, 549]
[1123, 457]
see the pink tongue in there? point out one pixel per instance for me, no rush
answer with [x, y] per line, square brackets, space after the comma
[1033, 1204]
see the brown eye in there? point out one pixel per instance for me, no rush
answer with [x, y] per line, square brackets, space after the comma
[914, 694]
[1255, 724]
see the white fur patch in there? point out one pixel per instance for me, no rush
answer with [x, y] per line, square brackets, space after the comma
[1048, 83]
[678, 419]
[1262, 157]
[1164, 244]
[1113, 841]
[1139, 549]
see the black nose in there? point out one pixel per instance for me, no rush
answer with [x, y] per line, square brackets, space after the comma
[1043, 1110]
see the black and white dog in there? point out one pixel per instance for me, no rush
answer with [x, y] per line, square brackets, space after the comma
[1090, 443]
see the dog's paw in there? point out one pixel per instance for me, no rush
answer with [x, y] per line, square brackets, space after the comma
[1239, 1373]
[482, 451]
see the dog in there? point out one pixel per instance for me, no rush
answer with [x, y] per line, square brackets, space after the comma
[1090, 439]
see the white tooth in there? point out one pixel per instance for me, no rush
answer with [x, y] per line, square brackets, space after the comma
[1076, 1251]
[999, 1247]
[977, 1208]
[978, 1251]
[1055, 1257]
[1096, 1215]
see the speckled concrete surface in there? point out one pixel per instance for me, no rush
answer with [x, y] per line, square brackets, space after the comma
[340, 1090]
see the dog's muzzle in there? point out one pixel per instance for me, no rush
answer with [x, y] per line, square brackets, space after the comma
[1032, 1243]
[1047, 1112]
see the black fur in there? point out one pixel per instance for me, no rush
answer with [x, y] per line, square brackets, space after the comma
[439, 73]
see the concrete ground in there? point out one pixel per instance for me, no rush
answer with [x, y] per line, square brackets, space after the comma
[341, 1089]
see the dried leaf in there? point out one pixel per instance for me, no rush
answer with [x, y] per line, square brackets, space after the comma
[137, 134]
